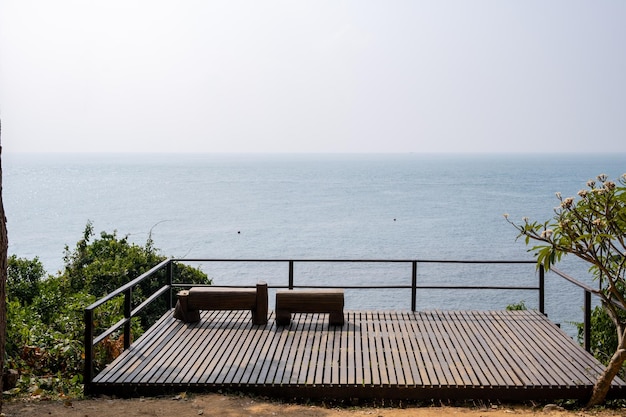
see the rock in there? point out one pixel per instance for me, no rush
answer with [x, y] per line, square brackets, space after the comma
[552, 407]
[9, 379]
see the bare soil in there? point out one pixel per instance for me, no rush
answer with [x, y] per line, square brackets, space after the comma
[234, 405]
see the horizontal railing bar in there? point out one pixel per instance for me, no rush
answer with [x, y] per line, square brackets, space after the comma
[371, 287]
[150, 299]
[585, 287]
[441, 261]
[133, 313]
[574, 281]
[109, 331]
[125, 287]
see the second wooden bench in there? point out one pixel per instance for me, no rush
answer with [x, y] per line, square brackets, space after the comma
[309, 301]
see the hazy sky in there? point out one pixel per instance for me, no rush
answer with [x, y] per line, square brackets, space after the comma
[313, 76]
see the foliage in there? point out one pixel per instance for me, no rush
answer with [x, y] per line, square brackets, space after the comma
[517, 306]
[101, 265]
[593, 228]
[23, 278]
[603, 336]
[45, 325]
[45, 338]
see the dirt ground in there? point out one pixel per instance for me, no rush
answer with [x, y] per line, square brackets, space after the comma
[233, 405]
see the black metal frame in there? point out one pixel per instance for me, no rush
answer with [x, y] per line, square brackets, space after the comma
[588, 291]
[91, 341]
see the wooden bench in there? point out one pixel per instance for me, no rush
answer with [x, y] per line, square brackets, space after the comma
[309, 301]
[191, 301]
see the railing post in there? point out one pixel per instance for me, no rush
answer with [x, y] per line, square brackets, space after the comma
[414, 286]
[169, 271]
[88, 343]
[587, 322]
[542, 289]
[127, 311]
[291, 275]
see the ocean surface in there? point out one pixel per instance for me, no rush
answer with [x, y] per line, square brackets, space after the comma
[313, 206]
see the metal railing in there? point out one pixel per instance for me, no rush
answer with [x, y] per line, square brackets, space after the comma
[588, 291]
[169, 283]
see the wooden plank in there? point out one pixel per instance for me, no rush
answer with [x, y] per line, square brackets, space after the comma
[295, 366]
[363, 372]
[475, 355]
[495, 368]
[401, 361]
[573, 363]
[499, 355]
[447, 349]
[124, 363]
[527, 345]
[390, 344]
[248, 343]
[379, 347]
[248, 375]
[322, 360]
[239, 324]
[443, 374]
[346, 333]
[218, 346]
[287, 367]
[175, 361]
[351, 362]
[561, 349]
[144, 365]
[280, 354]
[523, 360]
[420, 343]
[457, 348]
[305, 374]
[409, 351]
[267, 355]
[371, 360]
[333, 355]
[194, 338]
[390, 349]
[167, 363]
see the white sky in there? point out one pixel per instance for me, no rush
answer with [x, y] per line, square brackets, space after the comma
[313, 76]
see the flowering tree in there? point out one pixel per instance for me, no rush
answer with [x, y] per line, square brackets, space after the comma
[593, 228]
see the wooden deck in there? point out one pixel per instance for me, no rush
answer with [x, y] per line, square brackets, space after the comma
[506, 355]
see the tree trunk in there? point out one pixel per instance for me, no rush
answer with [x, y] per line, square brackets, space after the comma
[4, 245]
[603, 383]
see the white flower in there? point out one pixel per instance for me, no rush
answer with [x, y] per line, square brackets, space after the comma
[600, 223]
[567, 203]
[546, 234]
[609, 185]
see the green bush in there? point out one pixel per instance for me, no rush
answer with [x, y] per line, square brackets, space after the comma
[23, 278]
[45, 316]
[517, 306]
[101, 265]
[603, 338]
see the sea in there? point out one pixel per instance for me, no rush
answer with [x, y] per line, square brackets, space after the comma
[315, 207]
